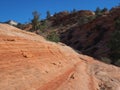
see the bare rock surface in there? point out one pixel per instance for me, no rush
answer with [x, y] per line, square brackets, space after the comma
[29, 62]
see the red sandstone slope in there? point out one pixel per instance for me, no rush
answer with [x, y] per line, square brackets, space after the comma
[28, 62]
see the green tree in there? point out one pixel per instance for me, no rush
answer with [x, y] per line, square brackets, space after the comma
[104, 10]
[35, 21]
[85, 19]
[98, 11]
[114, 43]
[48, 14]
[43, 25]
[73, 11]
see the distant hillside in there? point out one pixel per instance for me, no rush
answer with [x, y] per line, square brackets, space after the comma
[86, 31]
[92, 38]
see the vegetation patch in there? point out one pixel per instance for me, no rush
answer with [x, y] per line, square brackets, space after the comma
[53, 36]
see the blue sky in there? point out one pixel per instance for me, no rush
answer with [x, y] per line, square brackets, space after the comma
[21, 10]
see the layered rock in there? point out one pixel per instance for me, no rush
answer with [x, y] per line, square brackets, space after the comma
[29, 62]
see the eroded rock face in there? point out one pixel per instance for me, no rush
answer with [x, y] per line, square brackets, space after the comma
[29, 62]
[92, 38]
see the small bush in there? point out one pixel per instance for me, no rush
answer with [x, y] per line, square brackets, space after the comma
[53, 36]
[105, 60]
[117, 63]
[35, 21]
[85, 19]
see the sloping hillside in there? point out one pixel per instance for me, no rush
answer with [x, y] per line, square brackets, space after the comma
[29, 62]
[85, 31]
[93, 37]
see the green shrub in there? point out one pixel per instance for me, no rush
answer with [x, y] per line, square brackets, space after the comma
[106, 60]
[35, 21]
[85, 19]
[98, 12]
[48, 15]
[117, 63]
[43, 26]
[52, 36]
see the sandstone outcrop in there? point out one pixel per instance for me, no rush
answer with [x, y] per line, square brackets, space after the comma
[29, 62]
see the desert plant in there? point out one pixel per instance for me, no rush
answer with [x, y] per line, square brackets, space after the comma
[98, 12]
[104, 10]
[43, 26]
[35, 21]
[53, 36]
[106, 60]
[74, 10]
[117, 63]
[48, 15]
[85, 19]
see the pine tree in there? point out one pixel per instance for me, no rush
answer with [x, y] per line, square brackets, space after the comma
[104, 9]
[98, 11]
[74, 10]
[48, 14]
[35, 21]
